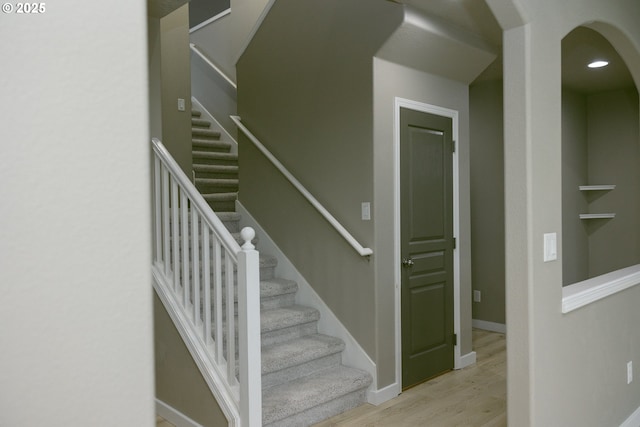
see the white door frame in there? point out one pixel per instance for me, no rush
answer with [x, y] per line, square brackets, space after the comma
[453, 114]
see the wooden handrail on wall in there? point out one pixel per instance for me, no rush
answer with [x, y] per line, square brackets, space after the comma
[209, 62]
[307, 195]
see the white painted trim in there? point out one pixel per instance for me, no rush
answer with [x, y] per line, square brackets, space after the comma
[591, 290]
[210, 20]
[467, 360]
[254, 30]
[633, 420]
[453, 114]
[489, 326]
[226, 136]
[174, 416]
[353, 354]
[378, 397]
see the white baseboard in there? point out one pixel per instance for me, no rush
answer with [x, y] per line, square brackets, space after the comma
[633, 420]
[467, 360]
[489, 326]
[174, 416]
[377, 397]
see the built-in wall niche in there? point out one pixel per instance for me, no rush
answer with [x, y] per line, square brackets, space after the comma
[600, 161]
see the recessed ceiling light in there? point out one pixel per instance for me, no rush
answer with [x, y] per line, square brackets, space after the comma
[598, 64]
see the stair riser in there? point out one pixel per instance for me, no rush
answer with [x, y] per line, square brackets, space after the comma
[219, 147]
[280, 301]
[211, 160]
[295, 372]
[204, 157]
[217, 174]
[286, 334]
[223, 206]
[233, 225]
[322, 412]
[196, 122]
[217, 188]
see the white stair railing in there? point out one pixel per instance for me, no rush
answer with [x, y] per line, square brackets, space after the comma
[198, 269]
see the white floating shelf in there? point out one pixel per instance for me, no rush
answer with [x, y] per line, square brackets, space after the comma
[596, 187]
[598, 216]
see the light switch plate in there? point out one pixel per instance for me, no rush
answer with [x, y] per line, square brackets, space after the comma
[550, 247]
[181, 104]
[366, 211]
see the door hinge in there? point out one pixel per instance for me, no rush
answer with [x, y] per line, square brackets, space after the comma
[454, 243]
[455, 339]
[453, 146]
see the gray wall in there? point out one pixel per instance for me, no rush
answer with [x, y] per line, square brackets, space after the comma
[487, 199]
[75, 250]
[600, 145]
[563, 369]
[309, 101]
[614, 158]
[176, 83]
[207, 86]
[201, 10]
[178, 380]
[575, 242]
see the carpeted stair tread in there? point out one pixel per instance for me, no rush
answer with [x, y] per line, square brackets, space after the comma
[298, 351]
[220, 182]
[205, 132]
[230, 169]
[214, 155]
[229, 216]
[220, 197]
[202, 123]
[289, 399]
[285, 317]
[195, 113]
[210, 144]
[276, 287]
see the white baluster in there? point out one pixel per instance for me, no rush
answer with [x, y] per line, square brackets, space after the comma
[217, 295]
[195, 248]
[166, 239]
[184, 219]
[175, 235]
[231, 320]
[157, 202]
[206, 273]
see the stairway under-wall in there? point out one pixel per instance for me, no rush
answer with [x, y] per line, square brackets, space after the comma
[303, 378]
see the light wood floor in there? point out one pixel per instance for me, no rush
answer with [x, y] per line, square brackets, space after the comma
[474, 396]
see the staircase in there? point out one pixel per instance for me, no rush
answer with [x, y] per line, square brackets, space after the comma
[303, 379]
[214, 166]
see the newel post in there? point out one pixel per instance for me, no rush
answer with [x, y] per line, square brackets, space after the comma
[249, 331]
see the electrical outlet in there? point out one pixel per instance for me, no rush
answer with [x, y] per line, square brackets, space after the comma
[629, 372]
[477, 296]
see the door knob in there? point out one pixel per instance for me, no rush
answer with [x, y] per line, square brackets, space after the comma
[407, 262]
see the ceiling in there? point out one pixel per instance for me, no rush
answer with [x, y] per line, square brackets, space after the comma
[579, 47]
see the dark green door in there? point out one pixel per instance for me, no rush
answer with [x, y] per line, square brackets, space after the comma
[426, 181]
